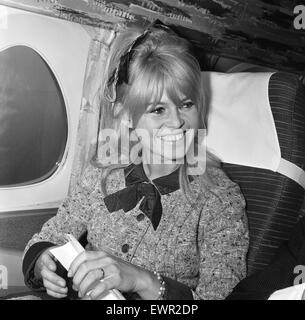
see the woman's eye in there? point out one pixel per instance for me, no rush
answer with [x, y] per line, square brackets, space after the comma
[158, 110]
[187, 104]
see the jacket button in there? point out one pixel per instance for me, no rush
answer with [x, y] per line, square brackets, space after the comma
[140, 217]
[125, 248]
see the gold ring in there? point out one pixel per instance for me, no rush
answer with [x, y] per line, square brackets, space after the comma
[103, 273]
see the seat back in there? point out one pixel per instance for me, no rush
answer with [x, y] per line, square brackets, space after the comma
[274, 201]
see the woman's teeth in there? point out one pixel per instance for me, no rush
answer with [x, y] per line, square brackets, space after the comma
[172, 137]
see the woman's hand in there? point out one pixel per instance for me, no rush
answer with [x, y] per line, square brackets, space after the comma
[45, 268]
[90, 267]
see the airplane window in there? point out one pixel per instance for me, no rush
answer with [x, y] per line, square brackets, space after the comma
[33, 119]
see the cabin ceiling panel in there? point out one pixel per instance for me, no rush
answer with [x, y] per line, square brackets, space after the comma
[260, 31]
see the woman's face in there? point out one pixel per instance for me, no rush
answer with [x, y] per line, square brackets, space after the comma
[164, 129]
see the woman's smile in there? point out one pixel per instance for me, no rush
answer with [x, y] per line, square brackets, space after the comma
[172, 137]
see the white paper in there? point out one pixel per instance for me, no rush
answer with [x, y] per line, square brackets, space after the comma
[66, 253]
[291, 293]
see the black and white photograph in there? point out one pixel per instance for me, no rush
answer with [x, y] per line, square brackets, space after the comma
[152, 150]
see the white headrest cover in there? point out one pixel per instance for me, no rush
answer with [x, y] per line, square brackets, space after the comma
[241, 127]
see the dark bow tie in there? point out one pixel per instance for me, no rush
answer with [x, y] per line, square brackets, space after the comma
[139, 186]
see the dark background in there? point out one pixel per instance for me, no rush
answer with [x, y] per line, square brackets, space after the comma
[255, 31]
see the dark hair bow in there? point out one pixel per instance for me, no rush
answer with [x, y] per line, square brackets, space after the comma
[120, 73]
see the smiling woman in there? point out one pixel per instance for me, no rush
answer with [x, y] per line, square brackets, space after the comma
[159, 231]
[169, 133]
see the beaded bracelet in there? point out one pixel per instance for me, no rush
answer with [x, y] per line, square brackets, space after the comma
[162, 290]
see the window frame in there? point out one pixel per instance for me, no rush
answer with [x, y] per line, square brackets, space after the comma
[64, 47]
[61, 155]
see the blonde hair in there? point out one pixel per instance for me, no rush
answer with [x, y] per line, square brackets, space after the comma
[163, 62]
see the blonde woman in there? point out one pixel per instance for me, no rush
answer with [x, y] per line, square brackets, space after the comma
[155, 228]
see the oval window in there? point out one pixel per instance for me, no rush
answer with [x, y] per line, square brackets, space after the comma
[33, 119]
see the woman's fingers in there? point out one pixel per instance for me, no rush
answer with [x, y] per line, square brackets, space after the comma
[86, 273]
[102, 287]
[55, 285]
[90, 281]
[110, 281]
[88, 266]
[44, 261]
[54, 288]
[52, 277]
[83, 257]
[48, 261]
[55, 294]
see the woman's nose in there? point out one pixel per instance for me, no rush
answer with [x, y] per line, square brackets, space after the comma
[175, 120]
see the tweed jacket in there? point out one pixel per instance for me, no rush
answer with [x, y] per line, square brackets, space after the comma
[202, 246]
